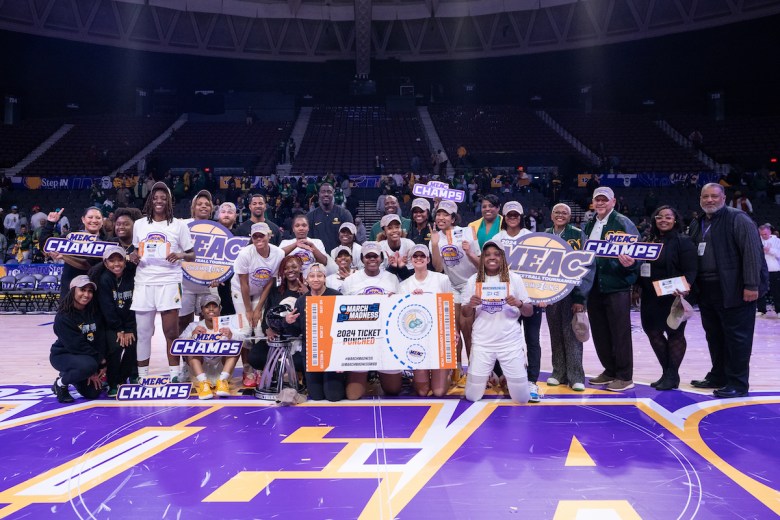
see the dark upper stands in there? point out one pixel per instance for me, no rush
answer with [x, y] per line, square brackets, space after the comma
[347, 140]
[214, 139]
[637, 143]
[18, 140]
[745, 141]
[496, 129]
[81, 151]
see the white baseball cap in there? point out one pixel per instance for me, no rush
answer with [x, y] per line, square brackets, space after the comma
[604, 191]
[448, 206]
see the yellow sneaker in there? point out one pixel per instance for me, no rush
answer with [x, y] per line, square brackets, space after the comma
[204, 390]
[223, 388]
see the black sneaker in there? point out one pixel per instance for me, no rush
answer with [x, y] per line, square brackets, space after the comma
[62, 393]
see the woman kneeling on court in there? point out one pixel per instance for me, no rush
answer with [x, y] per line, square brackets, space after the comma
[79, 354]
[496, 298]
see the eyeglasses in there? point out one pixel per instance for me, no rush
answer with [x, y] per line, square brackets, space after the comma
[371, 256]
[419, 255]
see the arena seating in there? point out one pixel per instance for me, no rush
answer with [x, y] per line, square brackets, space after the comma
[199, 139]
[347, 140]
[496, 129]
[748, 142]
[29, 294]
[633, 139]
[18, 140]
[97, 145]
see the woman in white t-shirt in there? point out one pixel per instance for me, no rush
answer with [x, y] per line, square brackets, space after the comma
[512, 228]
[348, 239]
[371, 280]
[496, 298]
[425, 281]
[395, 246]
[344, 263]
[455, 251]
[162, 243]
[256, 267]
[309, 250]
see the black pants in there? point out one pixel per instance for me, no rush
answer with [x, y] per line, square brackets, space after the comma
[610, 327]
[122, 362]
[75, 369]
[326, 385]
[774, 291]
[729, 335]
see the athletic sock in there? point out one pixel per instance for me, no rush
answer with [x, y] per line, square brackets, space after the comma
[224, 376]
[202, 377]
[143, 372]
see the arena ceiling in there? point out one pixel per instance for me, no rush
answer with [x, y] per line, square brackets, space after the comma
[407, 30]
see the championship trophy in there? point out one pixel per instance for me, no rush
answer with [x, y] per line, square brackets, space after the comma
[279, 371]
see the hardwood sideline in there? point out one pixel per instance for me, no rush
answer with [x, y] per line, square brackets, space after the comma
[26, 340]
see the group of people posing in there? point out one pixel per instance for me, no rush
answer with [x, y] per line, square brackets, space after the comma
[107, 315]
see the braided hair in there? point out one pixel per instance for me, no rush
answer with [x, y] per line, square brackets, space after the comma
[283, 265]
[503, 267]
[149, 206]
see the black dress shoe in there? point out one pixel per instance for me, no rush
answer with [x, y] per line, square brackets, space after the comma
[656, 383]
[667, 384]
[704, 383]
[62, 393]
[728, 393]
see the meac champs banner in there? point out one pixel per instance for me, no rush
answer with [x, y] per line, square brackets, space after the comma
[216, 250]
[359, 333]
[549, 266]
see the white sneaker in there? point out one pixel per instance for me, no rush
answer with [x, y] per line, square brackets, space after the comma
[578, 387]
[760, 314]
[551, 381]
[534, 389]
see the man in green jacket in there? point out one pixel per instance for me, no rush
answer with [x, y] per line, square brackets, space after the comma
[609, 302]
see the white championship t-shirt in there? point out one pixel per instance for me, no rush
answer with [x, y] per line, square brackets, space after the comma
[155, 242]
[360, 283]
[403, 251]
[495, 322]
[307, 257]
[260, 271]
[456, 264]
[433, 283]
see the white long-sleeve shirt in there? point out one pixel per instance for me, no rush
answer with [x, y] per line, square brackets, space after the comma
[773, 255]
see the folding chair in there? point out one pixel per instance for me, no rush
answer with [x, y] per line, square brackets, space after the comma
[9, 303]
[26, 288]
[49, 286]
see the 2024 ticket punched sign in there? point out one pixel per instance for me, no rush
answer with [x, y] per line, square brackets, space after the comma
[379, 332]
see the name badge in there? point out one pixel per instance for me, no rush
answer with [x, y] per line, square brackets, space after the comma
[644, 270]
[702, 246]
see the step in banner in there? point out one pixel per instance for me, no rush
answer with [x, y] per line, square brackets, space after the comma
[360, 333]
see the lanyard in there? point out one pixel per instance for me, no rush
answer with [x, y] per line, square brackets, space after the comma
[705, 230]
